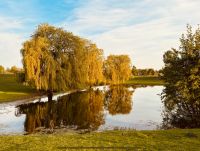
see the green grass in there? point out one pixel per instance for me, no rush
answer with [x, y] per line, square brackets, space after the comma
[137, 140]
[145, 80]
[11, 90]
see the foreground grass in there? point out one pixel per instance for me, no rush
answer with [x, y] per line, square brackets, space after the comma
[145, 80]
[133, 140]
[11, 90]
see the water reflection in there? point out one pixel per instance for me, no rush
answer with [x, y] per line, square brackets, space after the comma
[101, 109]
[83, 110]
[118, 100]
[104, 109]
[181, 114]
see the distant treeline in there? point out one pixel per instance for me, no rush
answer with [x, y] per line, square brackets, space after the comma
[10, 70]
[145, 72]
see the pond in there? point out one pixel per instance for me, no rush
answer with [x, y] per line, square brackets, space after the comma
[100, 108]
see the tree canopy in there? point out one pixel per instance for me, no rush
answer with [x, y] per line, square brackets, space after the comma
[55, 59]
[182, 76]
[117, 68]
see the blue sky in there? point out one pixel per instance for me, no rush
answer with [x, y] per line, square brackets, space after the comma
[143, 29]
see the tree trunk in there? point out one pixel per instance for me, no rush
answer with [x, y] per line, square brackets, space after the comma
[50, 95]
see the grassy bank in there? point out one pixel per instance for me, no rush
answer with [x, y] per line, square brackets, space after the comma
[145, 80]
[10, 89]
[133, 140]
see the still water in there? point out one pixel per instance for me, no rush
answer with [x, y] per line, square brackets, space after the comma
[101, 108]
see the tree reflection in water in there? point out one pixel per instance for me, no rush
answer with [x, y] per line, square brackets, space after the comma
[80, 110]
[118, 100]
[181, 114]
[83, 110]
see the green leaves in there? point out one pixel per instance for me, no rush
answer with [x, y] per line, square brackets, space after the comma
[182, 76]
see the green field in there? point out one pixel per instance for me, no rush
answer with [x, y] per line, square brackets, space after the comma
[134, 140]
[11, 90]
[145, 80]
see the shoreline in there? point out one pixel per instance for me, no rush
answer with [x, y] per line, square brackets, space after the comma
[11, 91]
[35, 96]
[32, 99]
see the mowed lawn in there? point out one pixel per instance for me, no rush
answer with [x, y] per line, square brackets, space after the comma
[165, 140]
[146, 80]
[11, 90]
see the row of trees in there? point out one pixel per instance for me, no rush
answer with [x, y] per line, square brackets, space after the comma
[13, 69]
[144, 72]
[55, 59]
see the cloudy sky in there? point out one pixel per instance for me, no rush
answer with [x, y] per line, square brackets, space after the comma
[143, 29]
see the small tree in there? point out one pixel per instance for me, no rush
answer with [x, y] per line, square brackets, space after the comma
[134, 71]
[117, 68]
[150, 72]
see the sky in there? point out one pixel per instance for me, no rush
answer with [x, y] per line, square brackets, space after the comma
[142, 29]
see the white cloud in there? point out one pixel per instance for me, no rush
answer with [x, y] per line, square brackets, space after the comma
[10, 49]
[145, 43]
[141, 29]
[10, 43]
[7, 23]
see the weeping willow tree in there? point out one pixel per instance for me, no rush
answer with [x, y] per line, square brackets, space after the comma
[117, 69]
[94, 61]
[55, 60]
